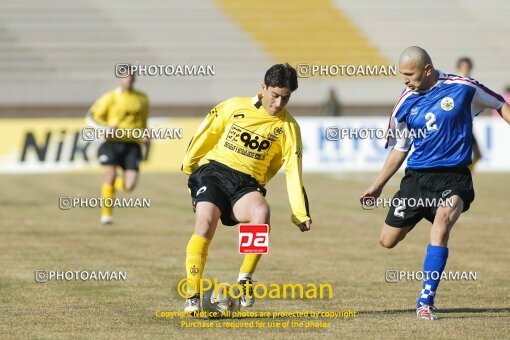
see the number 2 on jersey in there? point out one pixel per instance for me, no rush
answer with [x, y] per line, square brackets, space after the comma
[431, 119]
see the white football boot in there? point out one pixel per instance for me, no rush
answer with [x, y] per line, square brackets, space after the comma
[193, 305]
[247, 299]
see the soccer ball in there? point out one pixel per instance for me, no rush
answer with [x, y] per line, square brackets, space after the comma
[221, 303]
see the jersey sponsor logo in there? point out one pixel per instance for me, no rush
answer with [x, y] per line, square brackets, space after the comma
[254, 143]
[247, 143]
[414, 111]
[447, 103]
[253, 239]
[201, 190]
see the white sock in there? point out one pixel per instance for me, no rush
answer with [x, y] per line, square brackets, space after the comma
[244, 276]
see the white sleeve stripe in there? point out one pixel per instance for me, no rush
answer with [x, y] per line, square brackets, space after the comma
[402, 141]
[401, 149]
[401, 100]
[391, 141]
[476, 86]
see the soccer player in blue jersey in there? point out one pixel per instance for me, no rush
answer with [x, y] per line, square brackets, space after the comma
[443, 106]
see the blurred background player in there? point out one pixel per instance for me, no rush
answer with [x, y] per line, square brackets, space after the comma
[332, 106]
[464, 69]
[444, 106]
[246, 141]
[123, 108]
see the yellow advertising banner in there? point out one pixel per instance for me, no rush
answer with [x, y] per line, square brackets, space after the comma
[50, 145]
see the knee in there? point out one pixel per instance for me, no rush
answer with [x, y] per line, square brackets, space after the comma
[387, 242]
[205, 222]
[204, 228]
[260, 214]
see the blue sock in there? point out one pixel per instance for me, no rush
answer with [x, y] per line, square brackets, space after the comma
[434, 264]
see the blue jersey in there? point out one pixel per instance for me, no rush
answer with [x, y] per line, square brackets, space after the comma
[438, 123]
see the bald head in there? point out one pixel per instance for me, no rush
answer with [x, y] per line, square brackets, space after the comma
[416, 67]
[415, 55]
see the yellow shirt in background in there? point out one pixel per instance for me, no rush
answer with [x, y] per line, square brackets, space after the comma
[123, 109]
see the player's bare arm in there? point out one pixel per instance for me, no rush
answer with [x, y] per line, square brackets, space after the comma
[504, 112]
[393, 163]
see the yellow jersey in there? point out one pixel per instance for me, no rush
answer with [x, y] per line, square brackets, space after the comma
[123, 109]
[242, 135]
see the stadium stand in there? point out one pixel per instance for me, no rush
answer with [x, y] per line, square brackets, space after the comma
[57, 56]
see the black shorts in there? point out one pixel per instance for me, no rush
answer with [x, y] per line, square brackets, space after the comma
[127, 155]
[432, 185]
[223, 186]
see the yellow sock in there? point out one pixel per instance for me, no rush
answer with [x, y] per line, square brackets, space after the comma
[249, 265]
[472, 166]
[107, 191]
[196, 255]
[119, 184]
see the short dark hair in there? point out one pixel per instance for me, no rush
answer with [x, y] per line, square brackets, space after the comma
[281, 75]
[465, 60]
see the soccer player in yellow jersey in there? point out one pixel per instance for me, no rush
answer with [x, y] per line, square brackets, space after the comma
[246, 141]
[123, 108]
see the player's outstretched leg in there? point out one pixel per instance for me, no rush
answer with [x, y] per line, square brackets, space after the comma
[206, 220]
[108, 191]
[251, 208]
[128, 183]
[437, 255]
[391, 236]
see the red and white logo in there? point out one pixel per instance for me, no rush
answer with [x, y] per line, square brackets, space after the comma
[253, 239]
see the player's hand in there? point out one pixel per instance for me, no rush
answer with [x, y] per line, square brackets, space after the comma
[374, 191]
[305, 226]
